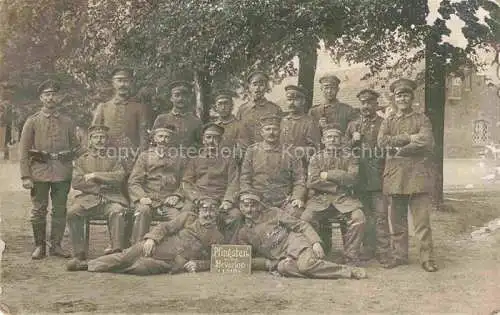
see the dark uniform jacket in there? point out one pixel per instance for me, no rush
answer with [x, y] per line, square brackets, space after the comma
[277, 235]
[127, 122]
[214, 175]
[155, 177]
[372, 157]
[410, 170]
[51, 133]
[184, 239]
[107, 187]
[337, 189]
[249, 115]
[275, 174]
[300, 131]
[187, 124]
[230, 138]
[338, 113]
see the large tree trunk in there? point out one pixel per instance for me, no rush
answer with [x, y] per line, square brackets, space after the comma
[435, 99]
[203, 91]
[307, 69]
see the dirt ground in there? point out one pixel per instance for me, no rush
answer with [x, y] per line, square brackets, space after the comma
[469, 282]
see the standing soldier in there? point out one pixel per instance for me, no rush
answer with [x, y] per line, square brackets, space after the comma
[214, 173]
[181, 116]
[99, 176]
[48, 145]
[154, 182]
[276, 174]
[331, 177]
[224, 108]
[332, 111]
[258, 106]
[408, 177]
[297, 128]
[362, 134]
[126, 119]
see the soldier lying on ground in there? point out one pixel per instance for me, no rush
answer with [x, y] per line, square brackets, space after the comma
[99, 178]
[288, 245]
[182, 244]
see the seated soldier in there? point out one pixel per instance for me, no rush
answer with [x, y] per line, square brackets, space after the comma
[154, 181]
[287, 244]
[214, 172]
[332, 174]
[276, 174]
[99, 176]
[171, 247]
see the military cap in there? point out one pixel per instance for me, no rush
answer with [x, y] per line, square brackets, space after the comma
[180, 83]
[205, 201]
[257, 72]
[403, 85]
[122, 72]
[371, 93]
[48, 86]
[335, 128]
[270, 120]
[98, 128]
[212, 128]
[296, 89]
[329, 78]
[224, 94]
[250, 194]
[164, 127]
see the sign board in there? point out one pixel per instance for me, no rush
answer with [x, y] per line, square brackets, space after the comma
[231, 259]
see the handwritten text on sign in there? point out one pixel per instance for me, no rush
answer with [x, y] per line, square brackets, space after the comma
[231, 259]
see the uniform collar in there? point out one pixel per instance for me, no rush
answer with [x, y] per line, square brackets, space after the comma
[48, 114]
[259, 103]
[408, 113]
[225, 122]
[204, 152]
[119, 101]
[370, 119]
[177, 113]
[294, 116]
[333, 104]
[270, 148]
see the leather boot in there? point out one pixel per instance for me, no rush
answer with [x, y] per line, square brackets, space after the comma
[39, 236]
[56, 234]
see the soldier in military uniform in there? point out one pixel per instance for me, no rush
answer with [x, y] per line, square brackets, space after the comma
[298, 129]
[249, 113]
[408, 175]
[99, 176]
[289, 245]
[224, 108]
[181, 116]
[183, 244]
[48, 146]
[155, 180]
[127, 119]
[332, 174]
[332, 111]
[362, 134]
[214, 173]
[273, 172]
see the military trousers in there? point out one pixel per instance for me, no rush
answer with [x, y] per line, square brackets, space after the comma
[131, 261]
[229, 223]
[353, 224]
[420, 206]
[58, 193]
[376, 240]
[115, 216]
[143, 216]
[307, 265]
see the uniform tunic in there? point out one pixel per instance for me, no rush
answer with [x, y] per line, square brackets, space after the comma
[274, 173]
[212, 175]
[52, 133]
[409, 170]
[249, 115]
[127, 122]
[155, 176]
[300, 131]
[187, 124]
[338, 113]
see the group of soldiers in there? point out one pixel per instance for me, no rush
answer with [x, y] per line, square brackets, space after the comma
[271, 178]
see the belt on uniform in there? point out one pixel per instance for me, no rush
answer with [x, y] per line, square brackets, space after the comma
[44, 156]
